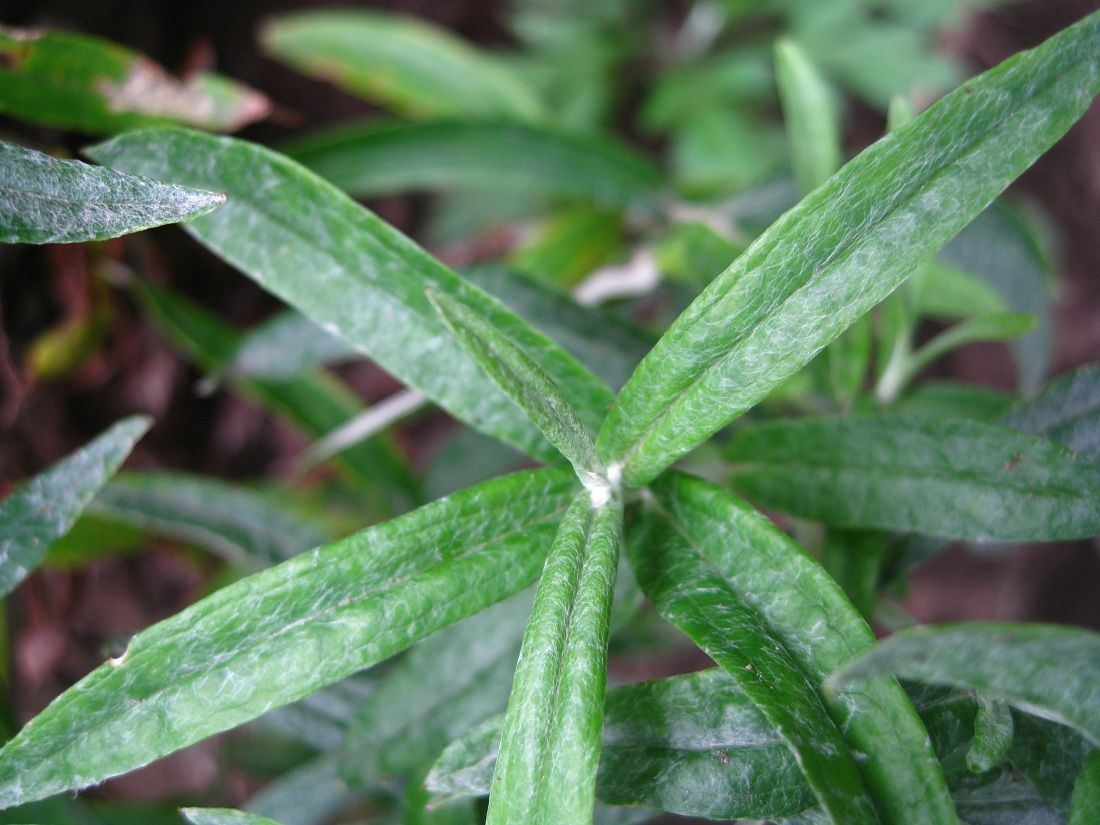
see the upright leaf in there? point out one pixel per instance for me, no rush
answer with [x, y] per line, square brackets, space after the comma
[83, 83]
[953, 478]
[384, 157]
[342, 266]
[1066, 410]
[227, 519]
[845, 248]
[47, 506]
[809, 112]
[526, 383]
[550, 746]
[692, 744]
[747, 594]
[276, 636]
[399, 61]
[1048, 670]
[47, 200]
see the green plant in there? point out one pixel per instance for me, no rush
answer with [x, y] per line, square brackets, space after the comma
[802, 720]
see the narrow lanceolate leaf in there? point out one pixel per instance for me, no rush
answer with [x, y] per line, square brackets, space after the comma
[689, 591]
[226, 519]
[224, 816]
[281, 634]
[1066, 410]
[90, 85]
[809, 112]
[1048, 670]
[401, 62]
[378, 158]
[440, 690]
[550, 747]
[952, 478]
[845, 248]
[693, 745]
[47, 506]
[47, 200]
[996, 327]
[1085, 806]
[992, 735]
[285, 346]
[339, 264]
[525, 382]
[758, 605]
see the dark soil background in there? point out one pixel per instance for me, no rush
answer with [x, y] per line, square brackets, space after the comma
[61, 623]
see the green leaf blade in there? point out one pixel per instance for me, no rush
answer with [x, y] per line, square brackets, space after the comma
[86, 84]
[951, 478]
[550, 746]
[399, 61]
[809, 110]
[1085, 806]
[525, 382]
[779, 585]
[224, 816]
[1022, 664]
[375, 158]
[992, 736]
[47, 200]
[227, 519]
[845, 248]
[1067, 410]
[278, 635]
[42, 511]
[367, 281]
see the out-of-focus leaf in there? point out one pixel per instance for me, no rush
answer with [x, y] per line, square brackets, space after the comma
[1066, 410]
[945, 292]
[1008, 800]
[47, 506]
[1085, 807]
[316, 402]
[998, 327]
[308, 795]
[525, 382]
[692, 744]
[47, 200]
[717, 152]
[550, 744]
[344, 267]
[78, 82]
[402, 62]
[224, 816]
[1002, 250]
[1023, 664]
[64, 347]
[445, 686]
[285, 346]
[274, 637]
[756, 603]
[467, 458]
[1049, 755]
[992, 736]
[854, 558]
[953, 400]
[92, 538]
[604, 342]
[378, 158]
[694, 254]
[952, 478]
[809, 113]
[321, 719]
[226, 519]
[732, 79]
[570, 245]
[845, 248]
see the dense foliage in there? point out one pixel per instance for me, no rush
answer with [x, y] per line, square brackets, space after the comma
[748, 310]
